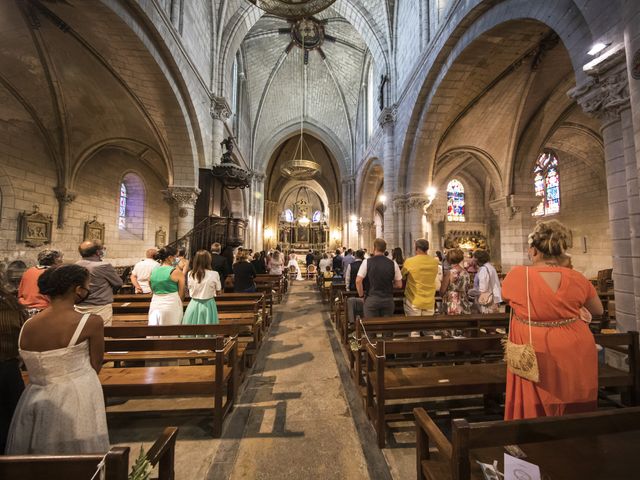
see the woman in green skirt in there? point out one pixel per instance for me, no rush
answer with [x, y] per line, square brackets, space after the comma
[203, 283]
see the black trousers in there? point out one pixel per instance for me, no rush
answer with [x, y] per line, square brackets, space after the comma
[11, 387]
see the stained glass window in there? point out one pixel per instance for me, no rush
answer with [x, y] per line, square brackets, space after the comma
[122, 215]
[547, 184]
[317, 216]
[288, 216]
[455, 201]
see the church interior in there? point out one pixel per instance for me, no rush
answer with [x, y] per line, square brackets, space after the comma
[293, 135]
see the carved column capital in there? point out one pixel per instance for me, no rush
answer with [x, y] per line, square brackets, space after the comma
[181, 196]
[220, 109]
[64, 197]
[388, 116]
[399, 203]
[416, 201]
[606, 93]
[257, 176]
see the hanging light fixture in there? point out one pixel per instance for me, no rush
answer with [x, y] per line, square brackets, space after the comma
[302, 165]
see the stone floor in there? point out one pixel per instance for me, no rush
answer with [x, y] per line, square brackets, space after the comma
[298, 415]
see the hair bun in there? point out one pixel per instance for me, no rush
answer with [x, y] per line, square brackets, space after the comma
[551, 238]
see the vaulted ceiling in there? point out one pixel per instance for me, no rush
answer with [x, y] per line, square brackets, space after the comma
[358, 33]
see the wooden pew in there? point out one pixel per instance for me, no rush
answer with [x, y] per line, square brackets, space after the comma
[265, 297]
[249, 339]
[342, 323]
[82, 467]
[234, 328]
[470, 325]
[452, 378]
[219, 379]
[583, 454]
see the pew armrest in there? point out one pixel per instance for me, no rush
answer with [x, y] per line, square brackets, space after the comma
[424, 423]
[163, 452]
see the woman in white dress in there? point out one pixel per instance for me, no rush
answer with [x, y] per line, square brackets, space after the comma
[275, 266]
[293, 262]
[62, 408]
[167, 284]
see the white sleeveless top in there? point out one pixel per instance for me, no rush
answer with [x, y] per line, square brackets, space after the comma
[62, 409]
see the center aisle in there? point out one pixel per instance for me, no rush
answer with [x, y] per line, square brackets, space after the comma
[293, 419]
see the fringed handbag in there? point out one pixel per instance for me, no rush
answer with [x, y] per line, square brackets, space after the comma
[521, 359]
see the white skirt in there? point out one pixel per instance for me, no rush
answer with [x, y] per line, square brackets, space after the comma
[165, 309]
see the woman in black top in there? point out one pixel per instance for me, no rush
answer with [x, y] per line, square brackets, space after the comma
[259, 264]
[243, 275]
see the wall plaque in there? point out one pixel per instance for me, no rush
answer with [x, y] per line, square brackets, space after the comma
[34, 229]
[161, 237]
[94, 230]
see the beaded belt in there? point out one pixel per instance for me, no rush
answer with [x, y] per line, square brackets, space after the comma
[555, 323]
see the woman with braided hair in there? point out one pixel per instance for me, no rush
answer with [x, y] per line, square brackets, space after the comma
[546, 299]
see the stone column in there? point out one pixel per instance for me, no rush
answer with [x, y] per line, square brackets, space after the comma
[64, 197]
[182, 201]
[349, 210]
[606, 96]
[516, 223]
[366, 235]
[631, 19]
[336, 222]
[394, 217]
[256, 211]
[415, 220]
[387, 121]
[220, 113]
[270, 223]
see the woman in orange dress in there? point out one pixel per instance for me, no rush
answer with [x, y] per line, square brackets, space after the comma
[564, 345]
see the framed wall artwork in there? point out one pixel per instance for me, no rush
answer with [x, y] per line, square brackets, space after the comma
[34, 229]
[161, 237]
[94, 230]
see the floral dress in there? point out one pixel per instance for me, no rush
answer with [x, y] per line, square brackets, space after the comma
[455, 300]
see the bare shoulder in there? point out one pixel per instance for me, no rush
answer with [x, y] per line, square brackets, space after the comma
[94, 323]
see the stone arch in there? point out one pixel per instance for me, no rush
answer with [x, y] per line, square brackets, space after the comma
[95, 37]
[476, 24]
[143, 152]
[372, 179]
[336, 149]
[454, 159]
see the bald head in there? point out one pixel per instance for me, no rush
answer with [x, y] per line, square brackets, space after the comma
[89, 248]
[151, 252]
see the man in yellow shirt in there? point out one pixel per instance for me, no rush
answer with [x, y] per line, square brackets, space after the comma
[420, 272]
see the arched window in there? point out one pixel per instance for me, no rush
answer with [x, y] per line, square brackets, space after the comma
[288, 216]
[131, 207]
[370, 102]
[122, 215]
[547, 184]
[455, 201]
[234, 86]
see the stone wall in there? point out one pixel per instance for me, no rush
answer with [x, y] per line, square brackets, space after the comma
[27, 178]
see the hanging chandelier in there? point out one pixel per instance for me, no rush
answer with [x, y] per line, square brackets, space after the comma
[302, 165]
[292, 9]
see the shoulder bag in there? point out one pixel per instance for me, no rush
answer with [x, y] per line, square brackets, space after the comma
[521, 359]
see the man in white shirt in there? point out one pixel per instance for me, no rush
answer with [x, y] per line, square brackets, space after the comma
[375, 281]
[141, 272]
